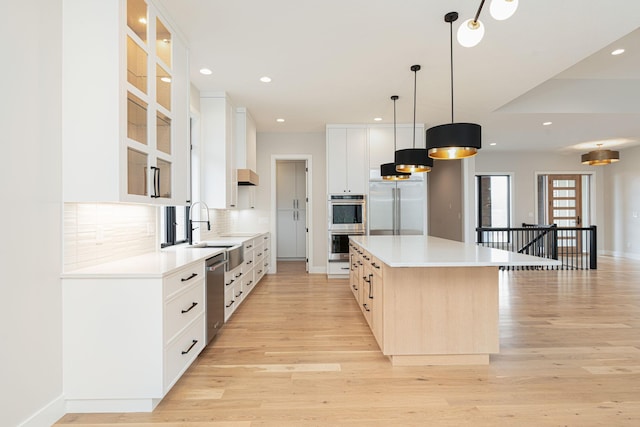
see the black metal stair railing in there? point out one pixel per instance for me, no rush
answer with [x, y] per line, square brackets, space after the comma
[575, 247]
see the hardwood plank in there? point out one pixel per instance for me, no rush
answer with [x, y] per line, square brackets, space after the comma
[569, 355]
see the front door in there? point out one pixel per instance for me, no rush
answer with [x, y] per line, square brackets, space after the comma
[565, 207]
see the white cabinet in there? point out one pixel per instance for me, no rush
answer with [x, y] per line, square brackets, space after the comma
[347, 168]
[291, 209]
[125, 109]
[220, 181]
[245, 140]
[380, 137]
[240, 281]
[128, 340]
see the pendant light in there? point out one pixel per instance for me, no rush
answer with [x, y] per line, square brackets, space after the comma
[600, 157]
[453, 140]
[471, 31]
[413, 159]
[388, 170]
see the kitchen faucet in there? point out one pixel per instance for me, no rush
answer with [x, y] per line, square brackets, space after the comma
[191, 221]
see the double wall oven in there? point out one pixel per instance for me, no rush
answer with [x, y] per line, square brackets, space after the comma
[347, 216]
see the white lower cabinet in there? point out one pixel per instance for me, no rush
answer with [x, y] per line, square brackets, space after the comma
[126, 341]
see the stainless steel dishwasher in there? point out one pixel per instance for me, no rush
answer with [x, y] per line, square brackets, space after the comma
[215, 294]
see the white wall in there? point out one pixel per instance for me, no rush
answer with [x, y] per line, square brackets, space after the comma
[622, 202]
[305, 144]
[524, 166]
[31, 315]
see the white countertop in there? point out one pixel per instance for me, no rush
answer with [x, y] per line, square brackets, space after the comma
[156, 264]
[426, 251]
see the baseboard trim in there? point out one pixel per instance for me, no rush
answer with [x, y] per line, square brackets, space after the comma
[618, 254]
[47, 415]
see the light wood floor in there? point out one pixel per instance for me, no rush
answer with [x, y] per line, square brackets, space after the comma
[298, 352]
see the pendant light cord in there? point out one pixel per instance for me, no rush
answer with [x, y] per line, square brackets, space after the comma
[394, 122]
[451, 63]
[415, 83]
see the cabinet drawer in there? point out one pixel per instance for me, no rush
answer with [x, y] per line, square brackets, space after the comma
[338, 268]
[248, 245]
[229, 302]
[181, 310]
[182, 278]
[182, 351]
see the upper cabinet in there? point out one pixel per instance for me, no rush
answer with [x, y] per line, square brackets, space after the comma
[220, 181]
[245, 140]
[346, 159]
[125, 111]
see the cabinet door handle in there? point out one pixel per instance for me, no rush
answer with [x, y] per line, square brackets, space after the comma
[185, 279]
[190, 308]
[194, 342]
[370, 286]
[155, 182]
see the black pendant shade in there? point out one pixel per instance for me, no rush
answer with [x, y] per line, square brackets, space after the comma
[454, 140]
[411, 160]
[389, 173]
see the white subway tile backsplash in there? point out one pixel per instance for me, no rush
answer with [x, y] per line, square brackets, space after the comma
[95, 233]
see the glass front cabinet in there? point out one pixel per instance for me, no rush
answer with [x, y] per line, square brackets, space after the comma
[125, 104]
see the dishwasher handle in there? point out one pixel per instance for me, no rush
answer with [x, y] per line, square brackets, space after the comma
[217, 265]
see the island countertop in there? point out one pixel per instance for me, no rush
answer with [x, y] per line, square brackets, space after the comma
[427, 251]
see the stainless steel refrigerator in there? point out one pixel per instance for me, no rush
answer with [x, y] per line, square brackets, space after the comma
[397, 208]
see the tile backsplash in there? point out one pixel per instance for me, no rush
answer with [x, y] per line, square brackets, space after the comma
[95, 233]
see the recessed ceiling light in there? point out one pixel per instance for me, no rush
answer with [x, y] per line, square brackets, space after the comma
[547, 123]
[142, 20]
[206, 71]
[493, 143]
[166, 79]
[378, 119]
[280, 120]
[617, 52]
[265, 79]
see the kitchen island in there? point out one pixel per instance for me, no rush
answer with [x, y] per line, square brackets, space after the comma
[431, 301]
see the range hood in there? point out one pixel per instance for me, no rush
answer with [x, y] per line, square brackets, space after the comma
[247, 177]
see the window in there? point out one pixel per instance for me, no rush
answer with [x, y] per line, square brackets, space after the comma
[174, 225]
[494, 201]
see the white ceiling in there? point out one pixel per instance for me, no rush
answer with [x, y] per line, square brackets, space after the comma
[339, 61]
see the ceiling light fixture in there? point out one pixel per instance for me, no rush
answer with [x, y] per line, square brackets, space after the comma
[206, 71]
[265, 79]
[617, 52]
[471, 31]
[166, 79]
[413, 159]
[600, 157]
[377, 119]
[280, 120]
[453, 140]
[547, 123]
[388, 170]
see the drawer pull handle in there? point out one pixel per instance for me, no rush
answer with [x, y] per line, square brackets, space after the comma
[365, 307]
[250, 283]
[189, 278]
[238, 275]
[260, 272]
[190, 308]
[194, 342]
[375, 265]
[230, 304]
[231, 281]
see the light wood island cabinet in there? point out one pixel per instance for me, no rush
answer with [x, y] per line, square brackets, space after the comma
[430, 301]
